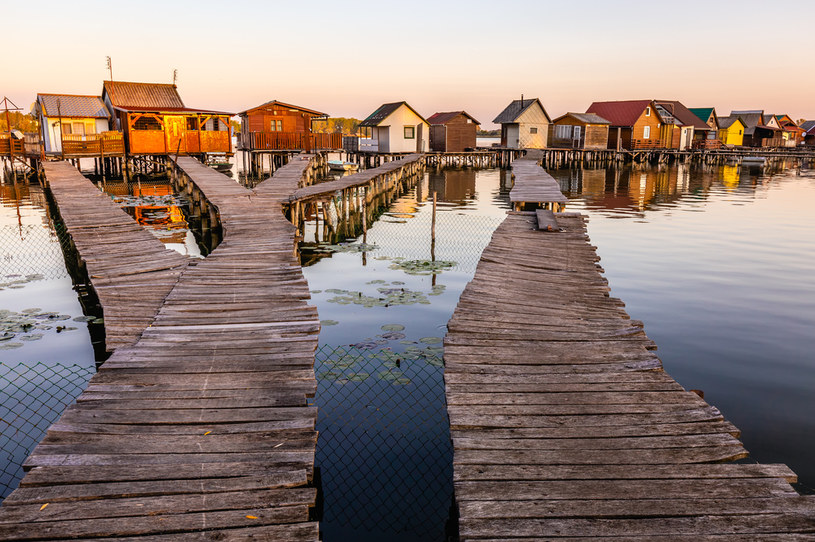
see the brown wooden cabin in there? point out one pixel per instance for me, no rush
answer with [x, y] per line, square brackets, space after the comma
[453, 131]
[154, 120]
[808, 127]
[635, 124]
[760, 130]
[277, 125]
[579, 131]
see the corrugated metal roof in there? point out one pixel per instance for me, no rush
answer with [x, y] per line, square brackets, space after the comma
[516, 108]
[142, 96]
[444, 118]
[750, 120]
[621, 113]
[588, 118]
[748, 112]
[177, 110]
[283, 105]
[72, 106]
[375, 118]
[683, 114]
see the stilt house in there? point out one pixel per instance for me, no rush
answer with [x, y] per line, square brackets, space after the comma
[731, 130]
[760, 132]
[706, 139]
[277, 125]
[394, 127]
[79, 125]
[808, 127]
[154, 120]
[524, 124]
[454, 131]
[579, 131]
[635, 124]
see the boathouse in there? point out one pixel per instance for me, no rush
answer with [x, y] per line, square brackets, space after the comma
[758, 131]
[706, 139]
[453, 131]
[155, 121]
[791, 132]
[731, 130]
[524, 124]
[634, 124]
[579, 131]
[394, 128]
[79, 124]
[278, 125]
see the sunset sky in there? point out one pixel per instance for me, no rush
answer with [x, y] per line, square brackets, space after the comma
[347, 58]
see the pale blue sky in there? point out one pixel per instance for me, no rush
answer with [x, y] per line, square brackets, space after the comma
[346, 58]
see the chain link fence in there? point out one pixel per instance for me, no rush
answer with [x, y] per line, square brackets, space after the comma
[384, 452]
[29, 250]
[32, 397]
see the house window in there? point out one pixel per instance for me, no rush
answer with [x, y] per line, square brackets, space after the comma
[648, 111]
[66, 129]
[147, 123]
[533, 130]
[739, 132]
[192, 124]
[276, 125]
[410, 132]
[646, 132]
[214, 125]
[78, 128]
[365, 132]
[90, 128]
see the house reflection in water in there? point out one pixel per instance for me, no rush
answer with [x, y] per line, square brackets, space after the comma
[157, 207]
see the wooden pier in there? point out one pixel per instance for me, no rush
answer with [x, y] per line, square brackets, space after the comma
[130, 269]
[200, 430]
[565, 425]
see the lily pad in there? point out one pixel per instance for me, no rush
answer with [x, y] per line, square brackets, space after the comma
[392, 327]
[330, 375]
[430, 340]
[328, 322]
[10, 346]
[422, 267]
[357, 377]
[84, 318]
[402, 381]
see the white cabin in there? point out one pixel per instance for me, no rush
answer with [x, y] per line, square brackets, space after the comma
[395, 127]
[524, 125]
[68, 116]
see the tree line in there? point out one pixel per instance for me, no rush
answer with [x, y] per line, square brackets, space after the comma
[19, 121]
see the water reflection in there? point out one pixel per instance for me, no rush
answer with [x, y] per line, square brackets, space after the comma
[718, 262]
[155, 204]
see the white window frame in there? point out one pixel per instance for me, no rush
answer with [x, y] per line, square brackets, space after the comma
[648, 111]
[646, 132]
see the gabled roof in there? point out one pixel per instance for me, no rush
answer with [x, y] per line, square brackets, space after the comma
[444, 118]
[516, 108]
[139, 96]
[750, 118]
[620, 113]
[283, 105]
[587, 118]
[68, 105]
[808, 125]
[683, 114]
[702, 112]
[727, 122]
[748, 112]
[384, 111]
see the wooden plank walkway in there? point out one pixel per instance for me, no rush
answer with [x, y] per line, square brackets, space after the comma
[532, 184]
[363, 178]
[130, 269]
[200, 430]
[565, 425]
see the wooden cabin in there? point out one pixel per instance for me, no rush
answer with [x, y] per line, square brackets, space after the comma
[524, 124]
[278, 125]
[453, 131]
[634, 124]
[758, 131]
[731, 130]
[790, 131]
[680, 126]
[579, 131]
[394, 127]
[154, 120]
[808, 135]
[77, 124]
[708, 139]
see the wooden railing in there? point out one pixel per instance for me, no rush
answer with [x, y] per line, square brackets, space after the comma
[772, 142]
[284, 141]
[104, 144]
[640, 144]
[707, 144]
[11, 146]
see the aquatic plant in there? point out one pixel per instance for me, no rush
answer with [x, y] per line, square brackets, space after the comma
[422, 267]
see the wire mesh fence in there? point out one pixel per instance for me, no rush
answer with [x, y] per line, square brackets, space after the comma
[30, 250]
[384, 452]
[32, 397]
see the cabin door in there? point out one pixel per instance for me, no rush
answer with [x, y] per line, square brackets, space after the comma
[419, 138]
[174, 130]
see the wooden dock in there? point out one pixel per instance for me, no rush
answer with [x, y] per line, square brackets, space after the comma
[565, 425]
[199, 430]
[532, 184]
[130, 269]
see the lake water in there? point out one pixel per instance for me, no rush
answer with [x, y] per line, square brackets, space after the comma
[717, 262]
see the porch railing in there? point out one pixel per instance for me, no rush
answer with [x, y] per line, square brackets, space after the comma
[106, 143]
[285, 141]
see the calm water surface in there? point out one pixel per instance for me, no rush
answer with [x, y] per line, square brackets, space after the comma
[719, 264]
